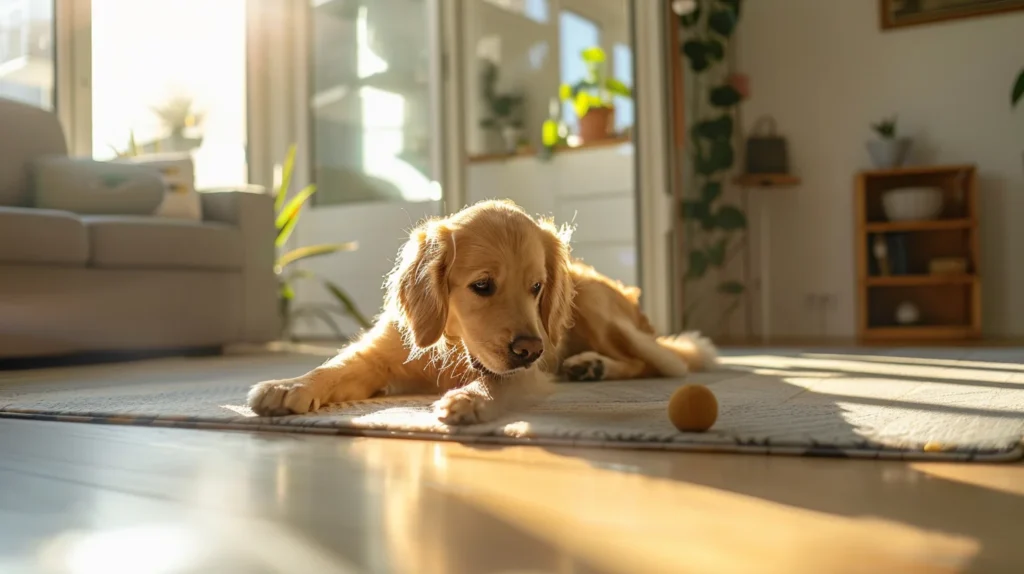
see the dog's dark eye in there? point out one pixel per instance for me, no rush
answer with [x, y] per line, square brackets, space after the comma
[483, 287]
[535, 288]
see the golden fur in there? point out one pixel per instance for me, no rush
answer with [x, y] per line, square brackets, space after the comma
[465, 291]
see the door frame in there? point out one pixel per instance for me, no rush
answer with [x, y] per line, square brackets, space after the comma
[653, 162]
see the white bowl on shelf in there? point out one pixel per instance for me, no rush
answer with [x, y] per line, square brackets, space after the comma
[912, 203]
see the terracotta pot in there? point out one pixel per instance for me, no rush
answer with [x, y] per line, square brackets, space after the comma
[597, 124]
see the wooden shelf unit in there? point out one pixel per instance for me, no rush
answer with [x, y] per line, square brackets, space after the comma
[949, 305]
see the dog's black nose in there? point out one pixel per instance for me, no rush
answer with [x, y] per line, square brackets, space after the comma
[524, 350]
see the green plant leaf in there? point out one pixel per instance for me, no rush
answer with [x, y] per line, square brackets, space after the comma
[593, 55]
[716, 253]
[289, 216]
[1018, 90]
[725, 96]
[711, 191]
[618, 88]
[696, 54]
[731, 288]
[287, 291]
[688, 20]
[722, 21]
[698, 265]
[714, 49]
[721, 156]
[347, 303]
[696, 210]
[314, 251]
[286, 178]
[718, 128]
[293, 206]
[730, 218]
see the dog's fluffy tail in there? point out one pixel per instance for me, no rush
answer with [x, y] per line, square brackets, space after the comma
[673, 356]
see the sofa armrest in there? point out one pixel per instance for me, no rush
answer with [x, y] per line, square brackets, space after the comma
[252, 212]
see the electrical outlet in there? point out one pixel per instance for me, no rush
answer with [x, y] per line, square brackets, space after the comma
[811, 301]
[829, 301]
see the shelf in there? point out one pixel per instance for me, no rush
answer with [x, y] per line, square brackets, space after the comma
[918, 170]
[914, 280]
[921, 332]
[766, 180]
[530, 151]
[927, 225]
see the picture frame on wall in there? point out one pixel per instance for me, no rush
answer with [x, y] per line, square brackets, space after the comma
[903, 13]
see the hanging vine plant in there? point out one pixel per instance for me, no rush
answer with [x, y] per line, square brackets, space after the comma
[715, 227]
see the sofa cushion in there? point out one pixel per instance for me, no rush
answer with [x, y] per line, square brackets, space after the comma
[42, 236]
[161, 243]
[28, 132]
[96, 187]
[181, 200]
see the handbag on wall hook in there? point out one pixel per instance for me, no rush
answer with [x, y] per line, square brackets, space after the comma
[766, 150]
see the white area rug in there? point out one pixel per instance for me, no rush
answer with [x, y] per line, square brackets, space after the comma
[825, 405]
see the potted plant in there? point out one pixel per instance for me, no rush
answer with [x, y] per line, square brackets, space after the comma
[504, 111]
[183, 122]
[888, 151]
[593, 96]
[287, 211]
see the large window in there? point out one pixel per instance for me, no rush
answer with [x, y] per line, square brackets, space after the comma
[169, 77]
[26, 51]
[371, 102]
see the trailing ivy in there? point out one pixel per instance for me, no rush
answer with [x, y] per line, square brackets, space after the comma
[716, 225]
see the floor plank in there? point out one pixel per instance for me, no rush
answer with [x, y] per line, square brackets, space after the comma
[93, 498]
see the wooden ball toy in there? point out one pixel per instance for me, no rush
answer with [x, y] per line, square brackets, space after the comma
[693, 408]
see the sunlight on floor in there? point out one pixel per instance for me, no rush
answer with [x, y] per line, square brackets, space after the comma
[565, 501]
[854, 364]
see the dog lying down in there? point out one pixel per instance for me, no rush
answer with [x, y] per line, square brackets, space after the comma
[487, 308]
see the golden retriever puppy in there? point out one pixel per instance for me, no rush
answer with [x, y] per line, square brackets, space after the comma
[486, 307]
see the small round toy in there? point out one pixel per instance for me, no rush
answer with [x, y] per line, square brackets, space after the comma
[693, 408]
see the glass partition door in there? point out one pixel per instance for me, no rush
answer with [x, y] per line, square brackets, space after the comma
[374, 141]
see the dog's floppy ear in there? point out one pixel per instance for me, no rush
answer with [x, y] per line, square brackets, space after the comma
[417, 289]
[557, 296]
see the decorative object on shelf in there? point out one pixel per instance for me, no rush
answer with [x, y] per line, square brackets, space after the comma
[715, 228]
[902, 13]
[912, 203]
[593, 97]
[950, 302]
[881, 253]
[184, 123]
[287, 216]
[907, 313]
[947, 266]
[888, 151]
[504, 111]
[766, 150]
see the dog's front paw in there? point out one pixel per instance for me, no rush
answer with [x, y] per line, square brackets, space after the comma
[286, 397]
[462, 407]
[587, 366]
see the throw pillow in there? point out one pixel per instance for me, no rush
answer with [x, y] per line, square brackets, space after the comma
[91, 187]
[181, 200]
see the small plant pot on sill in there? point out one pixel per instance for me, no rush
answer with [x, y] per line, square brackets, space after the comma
[888, 153]
[597, 124]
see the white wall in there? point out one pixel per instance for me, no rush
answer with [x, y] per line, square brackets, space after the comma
[825, 71]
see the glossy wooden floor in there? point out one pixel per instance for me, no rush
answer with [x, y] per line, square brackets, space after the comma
[79, 498]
